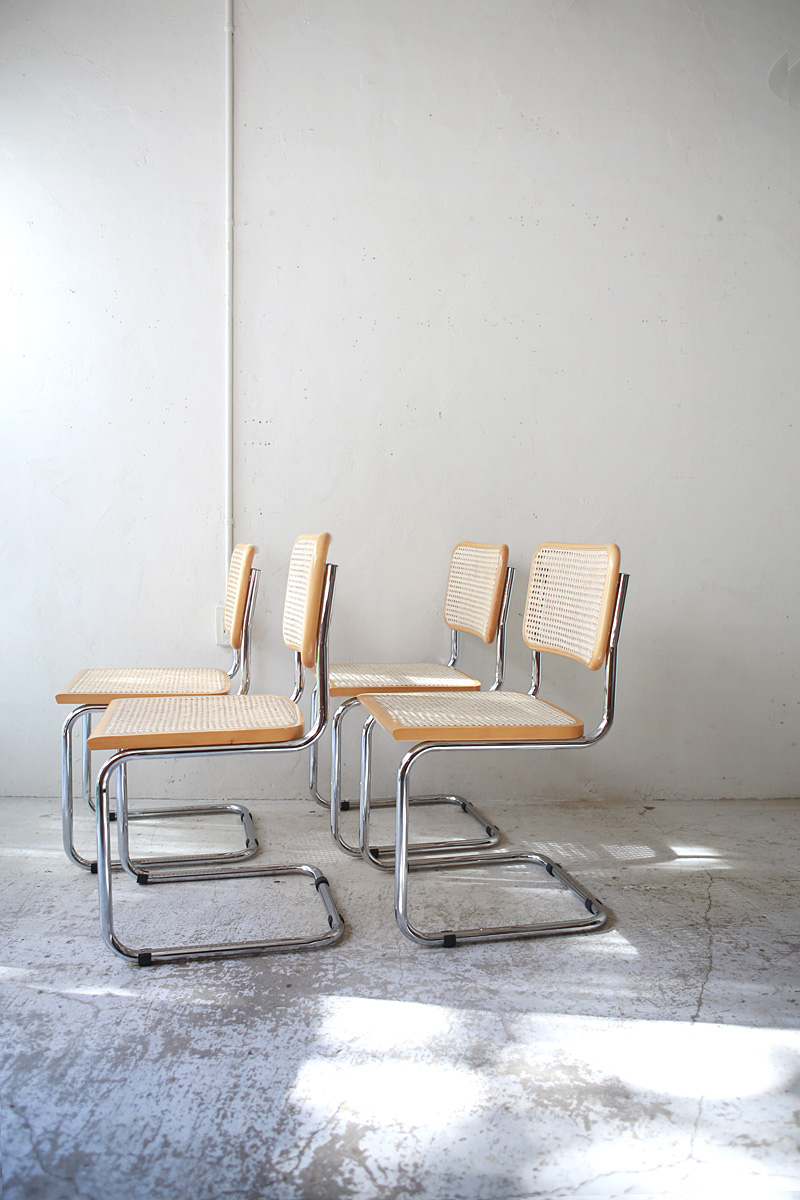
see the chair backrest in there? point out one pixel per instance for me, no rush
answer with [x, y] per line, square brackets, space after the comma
[304, 586]
[570, 604]
[475, 588]
[236, 591]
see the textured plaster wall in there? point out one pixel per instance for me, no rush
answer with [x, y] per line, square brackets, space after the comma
[505, 271]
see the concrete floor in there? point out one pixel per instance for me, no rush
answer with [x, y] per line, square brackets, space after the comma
[659, 1057]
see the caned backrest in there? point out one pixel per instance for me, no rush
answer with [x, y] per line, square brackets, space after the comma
[570, 604]
[301, 610]
[236, 591]
[475, 588]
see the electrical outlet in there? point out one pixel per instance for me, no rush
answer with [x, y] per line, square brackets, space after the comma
[223, 638]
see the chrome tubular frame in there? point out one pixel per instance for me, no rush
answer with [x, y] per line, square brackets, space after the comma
[597, 914]
[502, 624]
[300, 684]
[236, 662]
[453, 659]
[249, 609]
[536, 673]
[383, 856]
[84, 711]
[117, 764]
[87, 760]
[313, 763]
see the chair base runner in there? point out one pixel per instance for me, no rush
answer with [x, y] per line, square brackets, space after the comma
[448, 938]
[147, 957]
[197, 810]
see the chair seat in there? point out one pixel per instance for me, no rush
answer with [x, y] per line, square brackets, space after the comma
[174, 721]
[101, 685]
[353, 679]
[477, 717]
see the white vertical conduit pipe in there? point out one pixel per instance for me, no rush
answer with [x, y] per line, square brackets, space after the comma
[229, 379]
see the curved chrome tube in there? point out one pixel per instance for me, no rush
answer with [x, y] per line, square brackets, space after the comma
[249, 609]
[502, 621]
[300, 683]
[83, 712]
[536, 673]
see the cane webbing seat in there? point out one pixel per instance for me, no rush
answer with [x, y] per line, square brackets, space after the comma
[352, 679]
[171, 721]
[475, 717]
[101, 685]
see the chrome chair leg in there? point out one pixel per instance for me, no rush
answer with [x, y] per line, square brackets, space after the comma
[87, 760]
[313, 761]
[337, 804]
[67, 791]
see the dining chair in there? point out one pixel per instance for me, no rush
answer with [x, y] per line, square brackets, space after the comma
[575, 601]
[92, 689]
[212, 727]
[476, 602]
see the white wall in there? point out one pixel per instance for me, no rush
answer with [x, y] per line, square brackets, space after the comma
[505, 271]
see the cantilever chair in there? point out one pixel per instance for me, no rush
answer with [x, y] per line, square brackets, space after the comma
[93, 689]
[476, 601]
[574, 608]
[210, 726]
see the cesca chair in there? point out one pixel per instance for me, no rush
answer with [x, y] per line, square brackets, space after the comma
[476, 601]
[213, 726]
[574, 607]
[93, 689]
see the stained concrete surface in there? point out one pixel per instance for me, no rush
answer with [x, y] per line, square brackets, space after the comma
[659, 1057]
